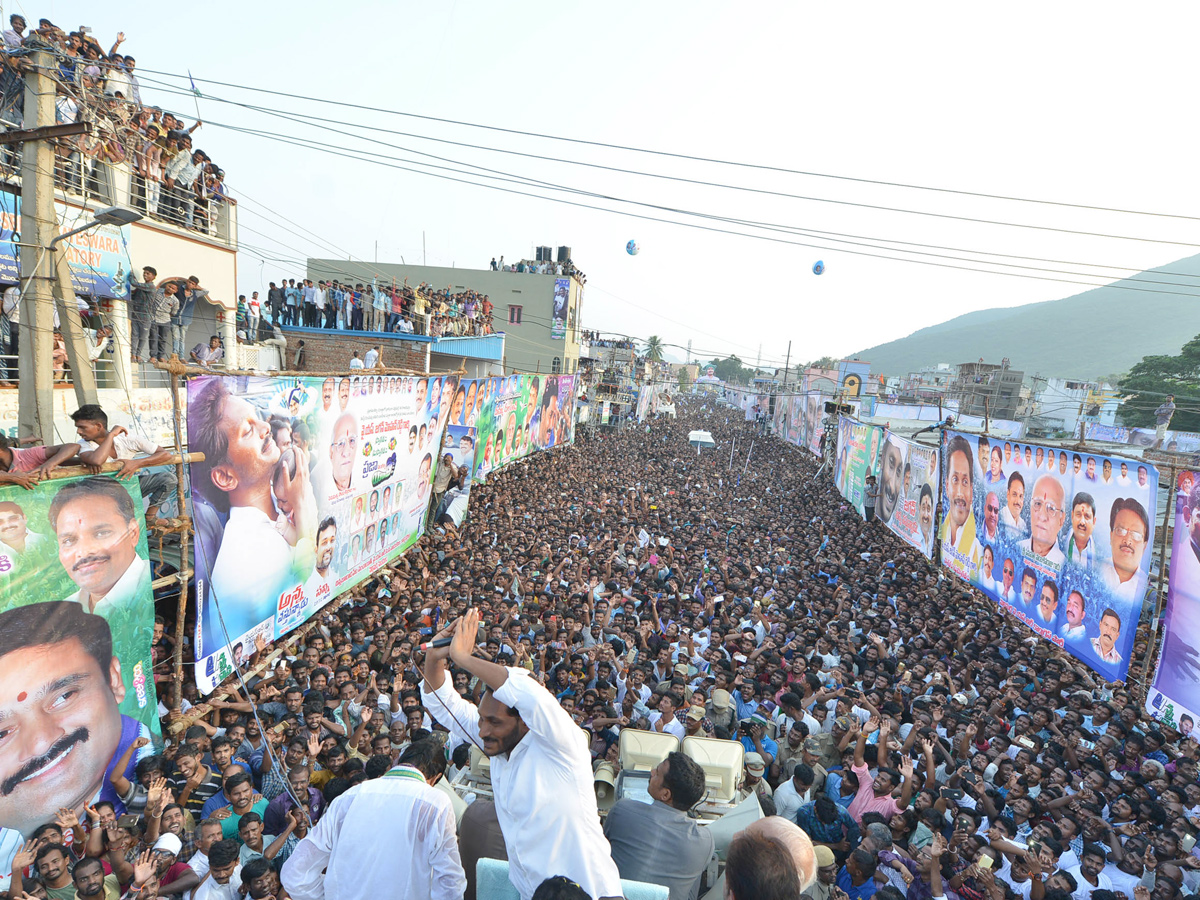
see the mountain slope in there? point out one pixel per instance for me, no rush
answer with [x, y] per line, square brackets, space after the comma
[1099, 332]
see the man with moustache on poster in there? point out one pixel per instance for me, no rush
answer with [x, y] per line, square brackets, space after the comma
[1010, 516]
[1129, 532]
[961, 551]
[1081, 549]
[48, 650]
[891, 480]
[991, 517]
[97, 530]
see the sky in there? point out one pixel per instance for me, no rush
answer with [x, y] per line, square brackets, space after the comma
[1072, 103]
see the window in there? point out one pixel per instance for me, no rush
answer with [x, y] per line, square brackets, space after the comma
[555, 366]
[514, 315]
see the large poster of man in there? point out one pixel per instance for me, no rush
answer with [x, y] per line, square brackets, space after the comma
[558, 318]
[458, 452]
[1060, 537]
[814, 421]
[1174, 695]
[76, 626]
[308, 486]
[908, 485]
[857, 458]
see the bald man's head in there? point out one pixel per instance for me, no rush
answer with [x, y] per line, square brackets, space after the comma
[797, 842]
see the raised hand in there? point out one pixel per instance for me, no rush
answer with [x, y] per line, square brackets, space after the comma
[143, 868]
[67, 819]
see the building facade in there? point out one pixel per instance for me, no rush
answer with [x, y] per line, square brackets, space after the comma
[538, 314]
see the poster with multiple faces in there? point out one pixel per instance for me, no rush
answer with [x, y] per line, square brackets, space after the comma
[1061, 538]
[308, 486]
[76, 630]
[1173, 697]
[516, 415]
[908, 489]
[800, 419]
[857, 458]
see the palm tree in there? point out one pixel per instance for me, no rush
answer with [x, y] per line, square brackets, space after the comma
[654, 348]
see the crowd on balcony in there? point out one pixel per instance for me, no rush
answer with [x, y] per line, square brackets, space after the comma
[172, 180]
[595, 340]
[397, 309]
[539, 267]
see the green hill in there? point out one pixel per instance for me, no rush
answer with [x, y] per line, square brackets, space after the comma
[1099, 332]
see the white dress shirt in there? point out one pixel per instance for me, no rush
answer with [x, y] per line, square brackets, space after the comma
[387, 837]
[544, 794]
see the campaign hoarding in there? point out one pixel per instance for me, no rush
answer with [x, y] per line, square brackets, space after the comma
[76, 658]
[515, 415]
[857, 458]
[814, 421]
[558, 318]
[308, 486]
[1062, 538]
[1173, 696]
[908, 488]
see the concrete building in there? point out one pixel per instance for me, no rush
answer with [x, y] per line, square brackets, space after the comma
[987, 389]
[538, 314]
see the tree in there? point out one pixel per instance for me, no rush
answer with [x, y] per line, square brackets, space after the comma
[684, 378]
[825, 362]
[731, 370]
[1153, 378]
[654, 348]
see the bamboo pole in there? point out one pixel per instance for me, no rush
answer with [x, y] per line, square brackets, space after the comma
[185, 569]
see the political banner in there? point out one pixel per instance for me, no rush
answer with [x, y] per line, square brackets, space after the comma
[520, 414]
[76, 662]
[857, 459]
[308, 486]
[458, 454]
[1174, 697]
[1061, 538]
[814, 421]
[908, 487]
[558, 317]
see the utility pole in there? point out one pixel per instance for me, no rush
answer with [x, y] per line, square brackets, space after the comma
[787, 362]
[35, 367]
[689, 352]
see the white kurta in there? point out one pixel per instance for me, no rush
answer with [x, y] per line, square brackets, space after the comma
[544, 794]
[388, 837]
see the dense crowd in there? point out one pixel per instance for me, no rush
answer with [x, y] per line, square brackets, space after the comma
[926, 744]
[539, 267]
[172, 180]
[423, 309]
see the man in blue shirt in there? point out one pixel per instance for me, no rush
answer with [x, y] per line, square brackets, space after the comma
[857, 877]
[753, 735]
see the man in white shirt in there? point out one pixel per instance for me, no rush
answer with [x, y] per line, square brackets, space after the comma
[663, 719]
[540, 767]
[372, 357]
[1089, 874]
[98, 445]
[354, 851]
[1129, 534]
[224, 881]
[355, 362]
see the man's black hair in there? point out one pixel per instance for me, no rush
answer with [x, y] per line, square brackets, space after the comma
[222, 853]
[684, 779]
[90, 412]
[96, 486]
[55, 622]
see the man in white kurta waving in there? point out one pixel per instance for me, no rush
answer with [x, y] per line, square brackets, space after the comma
[540, 767]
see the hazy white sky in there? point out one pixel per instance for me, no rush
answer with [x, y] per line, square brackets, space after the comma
[1080, 103]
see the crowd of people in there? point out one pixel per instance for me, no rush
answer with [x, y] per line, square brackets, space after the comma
[423, 309]
[172, 180]
[903, 737]
[538, 267]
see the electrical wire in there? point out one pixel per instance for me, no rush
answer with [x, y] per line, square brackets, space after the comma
[671, 155]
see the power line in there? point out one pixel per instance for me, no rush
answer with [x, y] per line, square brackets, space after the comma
[358, 155]
[672, 155]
